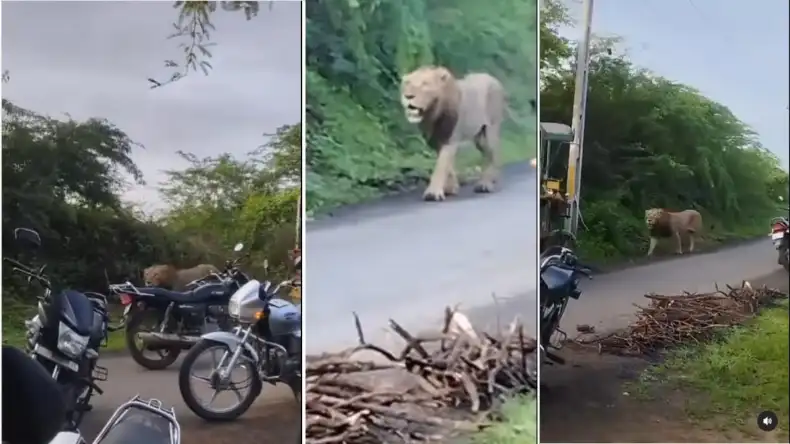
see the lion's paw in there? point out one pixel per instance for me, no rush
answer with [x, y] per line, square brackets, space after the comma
[484, 186]
[433, 194]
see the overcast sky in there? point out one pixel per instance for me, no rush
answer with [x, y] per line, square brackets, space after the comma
[92, 59]
[735, 52]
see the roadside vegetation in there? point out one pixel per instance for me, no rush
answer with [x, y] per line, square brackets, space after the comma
[653, 142]
[739, 376]
[518, 427]
[360, 146]
[64, 178]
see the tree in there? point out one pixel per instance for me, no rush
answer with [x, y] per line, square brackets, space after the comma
[194, 27]
[652, 142]
[219, 201]
[63, 178]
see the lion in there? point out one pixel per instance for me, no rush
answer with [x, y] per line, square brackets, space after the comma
[662, 224]
[168, 276]
[450, 111]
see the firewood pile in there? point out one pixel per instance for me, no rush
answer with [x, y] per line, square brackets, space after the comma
[684, 319]
[437, 386]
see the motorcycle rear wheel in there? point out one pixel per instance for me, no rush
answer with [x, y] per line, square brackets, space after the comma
[185, 386]
[168, 356]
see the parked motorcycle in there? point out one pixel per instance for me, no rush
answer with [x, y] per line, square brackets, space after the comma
[179, 318]
[780, 235]
[559, 282]
[137, 421]
[266, 347]
[65, 335]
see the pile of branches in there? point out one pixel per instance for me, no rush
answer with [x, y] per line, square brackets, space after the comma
[682, 319]
[438, 385]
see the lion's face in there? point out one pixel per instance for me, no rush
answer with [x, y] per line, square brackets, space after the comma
[652, 216]
[159, 274]
[421, 89]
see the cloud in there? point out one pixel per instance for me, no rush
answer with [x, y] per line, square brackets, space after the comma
[92, 59]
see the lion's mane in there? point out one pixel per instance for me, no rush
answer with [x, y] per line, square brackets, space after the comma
[168, 276]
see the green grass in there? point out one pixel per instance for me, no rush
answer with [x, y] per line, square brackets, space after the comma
[16, 313]
[519, 426]
[742, 374]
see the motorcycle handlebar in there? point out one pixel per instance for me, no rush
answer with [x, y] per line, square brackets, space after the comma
[29, 272]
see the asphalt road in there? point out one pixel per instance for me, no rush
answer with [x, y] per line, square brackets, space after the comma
[406, 259]
[398, 257]
[274, 418]
[607, 301]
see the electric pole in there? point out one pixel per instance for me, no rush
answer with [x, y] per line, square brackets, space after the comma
[577, 124]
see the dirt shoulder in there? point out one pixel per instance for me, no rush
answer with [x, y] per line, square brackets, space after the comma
[601, 393]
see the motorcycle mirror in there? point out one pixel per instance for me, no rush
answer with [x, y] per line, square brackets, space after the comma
[27, 237]
[238, 247]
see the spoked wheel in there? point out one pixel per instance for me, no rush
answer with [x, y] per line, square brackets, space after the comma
[200, 371]
[143, 321]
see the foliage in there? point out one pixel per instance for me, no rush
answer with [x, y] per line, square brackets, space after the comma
[193, 28]
[651, 142]
[219, 201]
[359, 144]
[62, 178]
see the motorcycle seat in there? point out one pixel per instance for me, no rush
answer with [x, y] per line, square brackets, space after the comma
[200, 294]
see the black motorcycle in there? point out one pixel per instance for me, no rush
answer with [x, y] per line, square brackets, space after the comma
[559, 282]
[65, 335]
[179, 318]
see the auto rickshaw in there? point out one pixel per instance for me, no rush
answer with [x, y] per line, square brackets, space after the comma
[555, 139]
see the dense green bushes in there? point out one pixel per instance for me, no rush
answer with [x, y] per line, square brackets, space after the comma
[62, 178]
[359, 143]
[651, 142]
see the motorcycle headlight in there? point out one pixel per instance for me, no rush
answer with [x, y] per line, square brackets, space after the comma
[70, 343]
[234, 309]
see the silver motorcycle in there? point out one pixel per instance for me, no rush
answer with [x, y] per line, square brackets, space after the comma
[265, 346]
[137, 421]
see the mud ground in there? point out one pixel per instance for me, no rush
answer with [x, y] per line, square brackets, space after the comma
[588, 400]
[277, 423]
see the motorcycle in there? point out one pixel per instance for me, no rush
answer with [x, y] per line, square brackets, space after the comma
[65, 335]
[780, 235]
[559, 282]
[180, 317]
[137, 421]
[266, 344]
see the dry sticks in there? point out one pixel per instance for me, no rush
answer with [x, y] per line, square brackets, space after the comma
[438, 385]
[689, 318]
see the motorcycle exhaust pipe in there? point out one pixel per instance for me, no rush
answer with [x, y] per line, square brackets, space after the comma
[168, 340]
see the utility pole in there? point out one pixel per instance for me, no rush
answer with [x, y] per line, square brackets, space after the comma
[577, 124]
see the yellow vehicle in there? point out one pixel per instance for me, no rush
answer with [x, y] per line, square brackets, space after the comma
[555, 139]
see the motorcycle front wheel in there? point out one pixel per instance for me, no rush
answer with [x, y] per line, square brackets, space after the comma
[187, 381]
